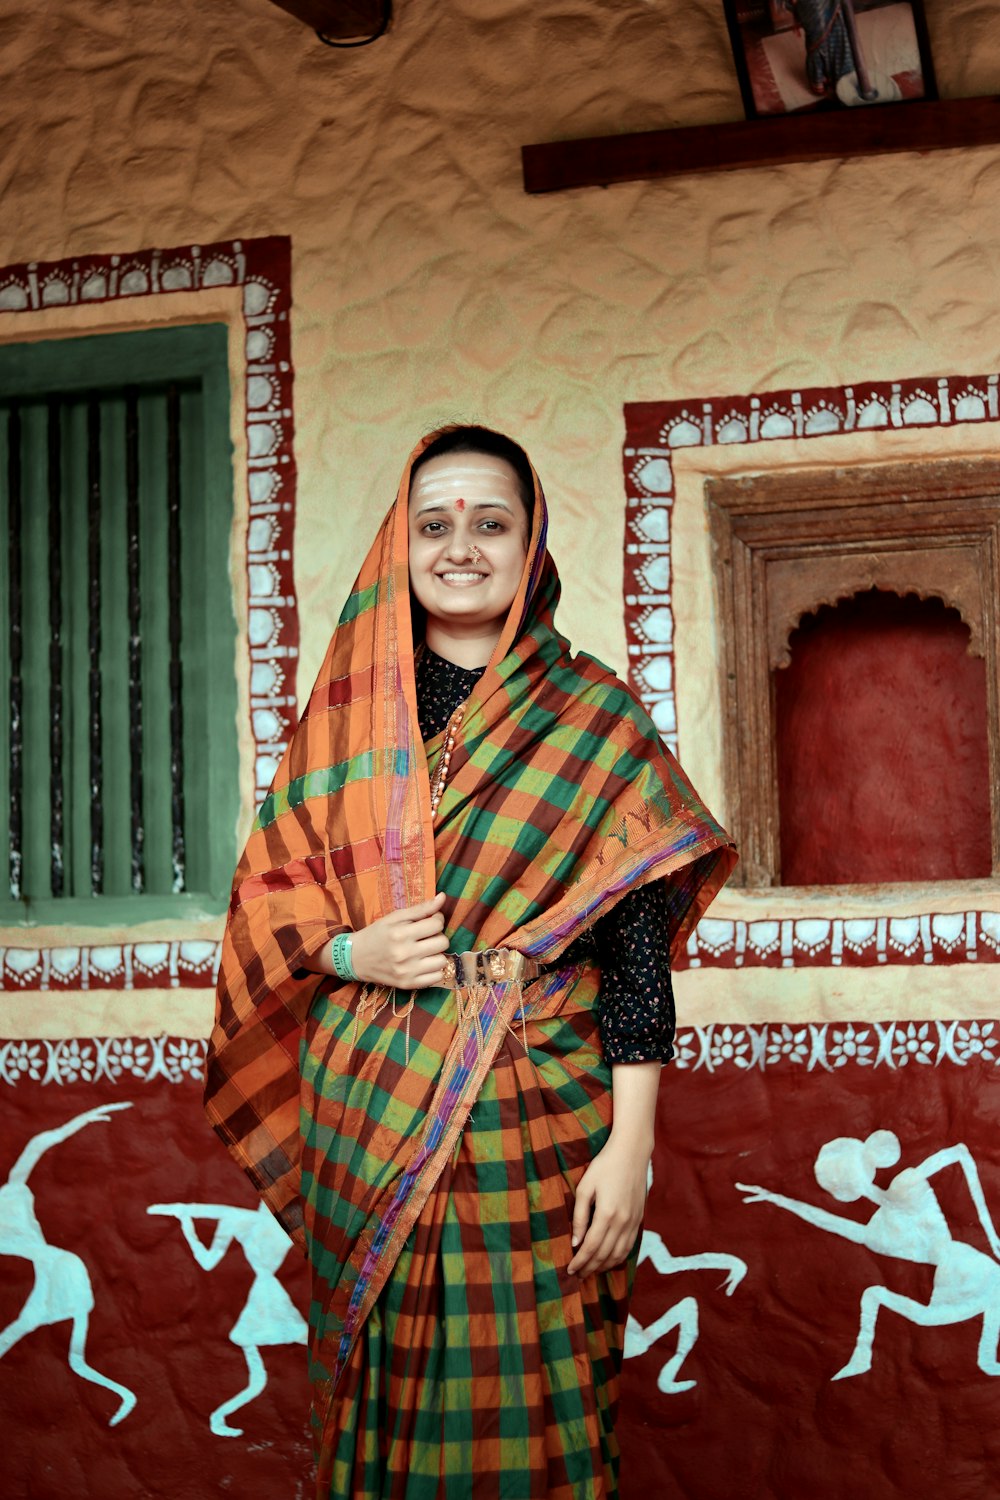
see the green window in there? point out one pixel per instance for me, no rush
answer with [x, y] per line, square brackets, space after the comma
[118, 761]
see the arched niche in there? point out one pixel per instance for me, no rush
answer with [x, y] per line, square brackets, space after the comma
[788, 547]
[881, 741]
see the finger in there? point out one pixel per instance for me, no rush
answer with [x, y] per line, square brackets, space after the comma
[432, 947]
[614, 1247]
[620, 1253]
[417, 932]
[430, 971]
[582, 1209]
[425, 928]
[431, 968]
[590, 1251]
[429, 981]
[606, 1254]
[592, 1240]
[422, 909]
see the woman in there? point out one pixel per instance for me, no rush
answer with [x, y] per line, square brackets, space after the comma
[828, 46]
[436, 1133]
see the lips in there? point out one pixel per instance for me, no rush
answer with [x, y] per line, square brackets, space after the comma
[461, 577]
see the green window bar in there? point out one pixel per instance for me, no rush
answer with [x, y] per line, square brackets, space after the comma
[118, 658]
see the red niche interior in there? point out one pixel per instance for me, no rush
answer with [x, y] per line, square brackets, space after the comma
[882, 751]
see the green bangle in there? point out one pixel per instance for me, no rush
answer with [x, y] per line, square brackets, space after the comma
[340, 954]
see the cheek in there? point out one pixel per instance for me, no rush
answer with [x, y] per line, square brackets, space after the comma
[512, 565]
[518, 552]
[418, 567]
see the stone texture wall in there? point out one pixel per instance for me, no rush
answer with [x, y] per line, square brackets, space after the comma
[427, 286]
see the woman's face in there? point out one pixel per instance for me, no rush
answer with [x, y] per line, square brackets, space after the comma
[468, 541]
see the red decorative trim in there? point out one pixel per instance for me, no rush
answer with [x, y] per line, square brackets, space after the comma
[790, 943]
[262, 269]
[654, 431]
[851, 943]
[114, 966]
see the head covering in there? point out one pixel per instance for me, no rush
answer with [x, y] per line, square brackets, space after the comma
[560, 798]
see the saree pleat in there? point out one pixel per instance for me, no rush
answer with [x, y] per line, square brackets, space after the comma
[481, 1360]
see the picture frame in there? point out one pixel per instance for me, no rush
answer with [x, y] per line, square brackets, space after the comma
[799, 56]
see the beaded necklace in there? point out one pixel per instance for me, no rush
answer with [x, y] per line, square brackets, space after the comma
[443, 765]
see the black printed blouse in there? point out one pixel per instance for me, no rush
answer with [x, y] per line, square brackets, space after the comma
[636, 1003]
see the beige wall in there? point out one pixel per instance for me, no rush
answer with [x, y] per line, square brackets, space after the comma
[428, 286]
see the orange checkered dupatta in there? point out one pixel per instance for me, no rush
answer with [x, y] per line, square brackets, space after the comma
[560, 798]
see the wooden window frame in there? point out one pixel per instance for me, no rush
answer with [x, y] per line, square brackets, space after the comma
[192, 352]
[788, 543]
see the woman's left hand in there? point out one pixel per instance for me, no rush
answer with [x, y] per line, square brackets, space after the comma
[610, 1201]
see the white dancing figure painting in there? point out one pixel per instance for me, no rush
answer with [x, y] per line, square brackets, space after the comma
[683, 1315]
[908, 1224]
[269, 1316]
[62, 1292]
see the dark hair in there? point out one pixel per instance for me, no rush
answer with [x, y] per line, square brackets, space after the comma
[475, 439]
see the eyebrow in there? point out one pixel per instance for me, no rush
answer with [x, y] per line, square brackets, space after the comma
[478, 505]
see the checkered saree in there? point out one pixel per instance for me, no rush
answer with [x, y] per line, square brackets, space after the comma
[425, 1150]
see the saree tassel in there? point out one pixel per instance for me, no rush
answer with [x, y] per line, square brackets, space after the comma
[405, 1015]
[365, 1000]
[520, 1016]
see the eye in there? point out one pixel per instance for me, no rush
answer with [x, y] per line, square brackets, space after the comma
[433, 528]
[492, 525]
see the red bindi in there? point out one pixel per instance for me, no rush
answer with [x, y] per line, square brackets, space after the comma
[459, 503]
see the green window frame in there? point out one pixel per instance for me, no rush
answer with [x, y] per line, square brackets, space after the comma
[119, 763]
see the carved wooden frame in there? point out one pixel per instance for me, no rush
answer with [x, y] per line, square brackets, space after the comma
[786, 544]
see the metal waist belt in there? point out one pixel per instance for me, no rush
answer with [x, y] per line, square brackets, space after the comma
[488, 966]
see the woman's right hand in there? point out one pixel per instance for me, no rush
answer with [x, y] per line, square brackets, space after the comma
[405, 950]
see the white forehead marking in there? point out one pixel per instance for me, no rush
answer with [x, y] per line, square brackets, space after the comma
[450, 479]
[459, 505]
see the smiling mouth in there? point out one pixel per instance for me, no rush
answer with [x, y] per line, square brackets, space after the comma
[461, 577]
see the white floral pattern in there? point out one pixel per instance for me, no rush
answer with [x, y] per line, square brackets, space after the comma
[103, 1059]
[75, 1060]
[123, 1055]
[831, 1046]
[729, 1044]
[786, 1042]
[824, 1047]
[975, 1040]
[912, 1043]
[849, 1044]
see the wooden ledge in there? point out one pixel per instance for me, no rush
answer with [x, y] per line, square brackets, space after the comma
[923, 125]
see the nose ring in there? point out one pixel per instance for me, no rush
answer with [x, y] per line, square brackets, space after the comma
[477, 556]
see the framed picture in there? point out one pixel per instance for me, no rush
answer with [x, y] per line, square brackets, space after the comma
[796, 56]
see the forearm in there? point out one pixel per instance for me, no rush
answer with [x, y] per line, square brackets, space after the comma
[402, 950]
[321, 962]
[611, 1194]
[634, 1088]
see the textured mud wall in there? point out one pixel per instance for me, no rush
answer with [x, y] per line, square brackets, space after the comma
[427, 286]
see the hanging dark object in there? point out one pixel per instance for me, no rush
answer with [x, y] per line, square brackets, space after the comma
[342, 23]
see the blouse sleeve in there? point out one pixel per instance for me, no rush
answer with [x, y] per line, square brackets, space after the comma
[636, 1001]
